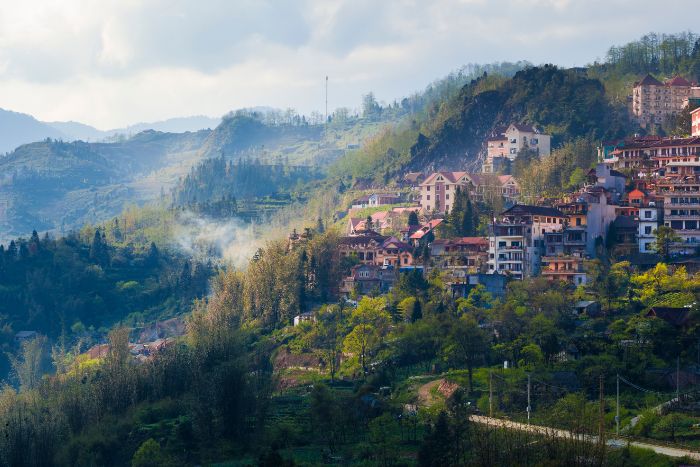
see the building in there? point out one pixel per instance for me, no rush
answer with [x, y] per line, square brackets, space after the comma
[695, 122]
[648, 223]
[654, 101]
[437, 192]
[508, 142]
[566, 268]
[516, 239]
[678, 185]
[364, 247]
[376, 199]
[383, 199]
[424, 234]
[467, 253]
[494, 284]
[369, 278]
[625, 230]
[307, 317]
[486, 187]
[394, 252]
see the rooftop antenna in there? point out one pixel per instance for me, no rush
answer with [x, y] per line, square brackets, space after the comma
[326, 121]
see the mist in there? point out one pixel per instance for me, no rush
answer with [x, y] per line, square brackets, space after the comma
[232, 241]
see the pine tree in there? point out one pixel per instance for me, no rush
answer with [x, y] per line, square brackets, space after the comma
[413, 219]
[416, 312]
[467, 229]
[97, 247]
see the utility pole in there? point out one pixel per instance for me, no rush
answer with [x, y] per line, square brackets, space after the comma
[601, 415]
[490, 393]
[678, 380]
[326, 122]
[617, 410]
[528, 399]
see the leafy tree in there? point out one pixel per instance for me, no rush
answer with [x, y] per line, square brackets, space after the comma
[369, 320]
[436, 449]
[664, 239]
[329, 332]
[150, 454]
[27, 366]
[466, 345]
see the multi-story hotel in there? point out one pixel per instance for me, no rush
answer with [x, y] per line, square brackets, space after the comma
[653, 101]
[516, 239]
[678, 185]
[648, 152]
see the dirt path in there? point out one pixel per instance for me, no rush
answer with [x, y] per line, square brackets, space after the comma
[425, 392]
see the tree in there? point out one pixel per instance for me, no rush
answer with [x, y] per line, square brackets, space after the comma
[436, 450]
[27, 366]
[370, 107]
[664, 239]
[466, 346]
[416, 311]
[325, 414]
[413, 219]
[150, 454]
[370, 320]
[328, 331]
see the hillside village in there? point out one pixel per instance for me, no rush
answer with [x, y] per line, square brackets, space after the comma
[641, 203]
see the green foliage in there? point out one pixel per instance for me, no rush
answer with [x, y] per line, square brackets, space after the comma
[149, 454]
[88, 280]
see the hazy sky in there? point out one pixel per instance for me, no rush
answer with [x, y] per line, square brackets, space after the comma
[114, 62]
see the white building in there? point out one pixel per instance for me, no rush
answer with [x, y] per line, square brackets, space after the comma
[506, 144]
[648, 223]
[526, 137]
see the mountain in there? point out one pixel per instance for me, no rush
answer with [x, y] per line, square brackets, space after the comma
[18, 128]
[171, 125]
[565, 103]
[77, 131]
[239, 135]
[58, 185]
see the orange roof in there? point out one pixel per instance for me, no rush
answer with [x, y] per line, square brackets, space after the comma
[636, 193]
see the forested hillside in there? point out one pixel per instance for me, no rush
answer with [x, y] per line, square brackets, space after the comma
[564, 103]
[79, 286]
[58, 185]
[663, 55]
[221, 188]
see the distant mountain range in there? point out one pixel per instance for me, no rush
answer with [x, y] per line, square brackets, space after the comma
[17, 129]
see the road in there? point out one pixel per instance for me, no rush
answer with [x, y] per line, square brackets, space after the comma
[665, 450]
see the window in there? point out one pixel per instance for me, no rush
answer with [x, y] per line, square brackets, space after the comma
[447, 196]
[428, 198]
[647, 214]
[647, 230]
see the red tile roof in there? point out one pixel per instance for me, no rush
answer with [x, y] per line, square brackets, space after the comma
[678, 81]
[649, 80]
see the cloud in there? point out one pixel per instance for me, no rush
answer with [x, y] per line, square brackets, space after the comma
[113, 62]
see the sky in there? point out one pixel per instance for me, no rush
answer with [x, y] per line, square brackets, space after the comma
[111, 63]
